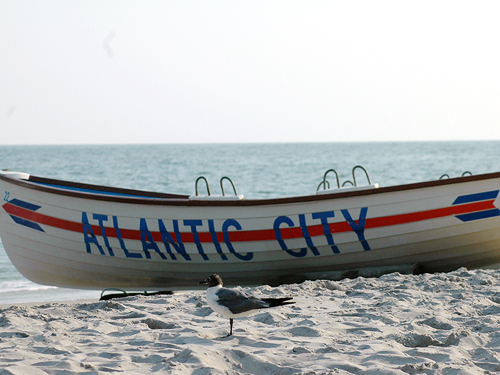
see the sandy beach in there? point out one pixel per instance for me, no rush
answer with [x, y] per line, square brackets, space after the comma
[395, 324]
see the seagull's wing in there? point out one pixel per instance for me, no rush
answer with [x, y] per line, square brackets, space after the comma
[238, 302]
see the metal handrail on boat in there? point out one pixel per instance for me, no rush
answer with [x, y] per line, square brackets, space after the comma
[446, 175]
[322, 183]
[197, 196]
[364, 170]
[222, 186]
[325, 181]
[326, 184]
[347, 185]
[196, 185]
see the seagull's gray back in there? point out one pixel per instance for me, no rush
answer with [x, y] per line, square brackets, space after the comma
[238, 302]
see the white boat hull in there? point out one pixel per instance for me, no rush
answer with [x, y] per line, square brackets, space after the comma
[82, 236]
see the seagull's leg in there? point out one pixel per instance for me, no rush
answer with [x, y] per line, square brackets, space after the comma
[230, 329]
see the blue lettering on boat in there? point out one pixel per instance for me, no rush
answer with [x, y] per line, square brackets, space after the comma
[225, 227]
[148, 243]
[277, 232]
[88, 235]
[174, 247]
[359, 227]
[128, 254]
[323, 216]
[305, 234]
[101, 219]
[193, 224]
[167, 239]
[215, 240]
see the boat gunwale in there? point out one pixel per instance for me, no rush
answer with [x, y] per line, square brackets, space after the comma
[132, 196]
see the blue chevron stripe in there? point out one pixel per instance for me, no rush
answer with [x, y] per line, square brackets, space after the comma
[27, 206]
[27, 223]
[23, 204]
[476, 197]
[479, 215]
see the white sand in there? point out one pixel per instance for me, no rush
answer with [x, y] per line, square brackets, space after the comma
[396, 324]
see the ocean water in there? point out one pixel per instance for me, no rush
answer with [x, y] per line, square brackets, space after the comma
[258, 171]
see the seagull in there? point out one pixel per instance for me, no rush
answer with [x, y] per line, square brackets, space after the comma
[233, 303]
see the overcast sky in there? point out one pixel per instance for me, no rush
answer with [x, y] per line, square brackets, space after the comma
[98, 72]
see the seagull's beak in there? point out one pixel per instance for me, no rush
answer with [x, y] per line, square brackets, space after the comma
[204, 282]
